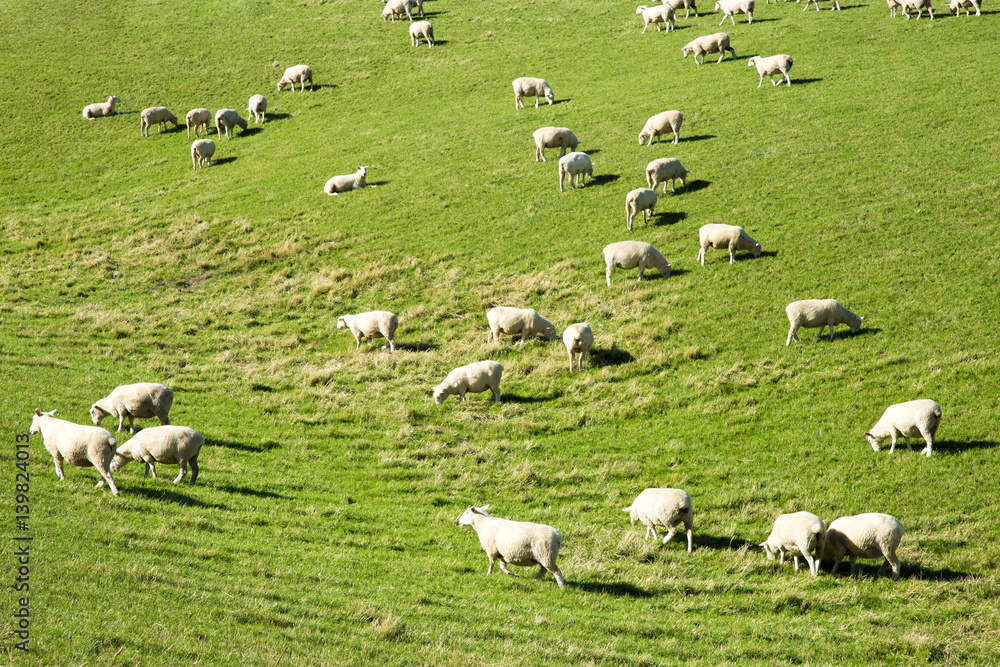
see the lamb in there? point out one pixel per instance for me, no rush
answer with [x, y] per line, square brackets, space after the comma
[394, 7]
[476, 377]
[640, 199]
[159, 116]
[573, 165]
[656, 15]
[726, 236]
[665, 169]
[527, 86]
[660, 124]
[865, 536]
[339, 184]
[632, 254]
[162, 444]
[730, 8]
[375, 324]
[513, 321]
[553, 137]
[92, 111]
[668, 508]
[799, 533]
[912, 419]
[202, 151]
[422, 29]
[954, 6]
[780, 64]
[257, 107]
[688, 5]
[297, 73]
[578, 338]
[199, 118]
[918, 5]
[79, 444]
[515, 542]
[719, 42]
[135, 401]
[812, 313]
[227, 119]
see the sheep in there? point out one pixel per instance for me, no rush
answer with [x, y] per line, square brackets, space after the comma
[527, 86]
[799, 533]
[688, 5]
[159, 116]
[893, 5]
[79, 444]
[668, 508]
[954, 6]
[918, 5]
[513, 321]
[726, 236]
[422, 29]
[226, 120]
[656, 15]
[339, 184]
[92, 111]
[660, 124]
[780, 63]
[864, 536]
[515, 542]
[573, 165]
[578, 338]
[640, 199]
[198, 118]
[665, 169]
[419, 4]
[812, 313]
[375, 324]
[202, 151]
[730, 8]
[257, 107]
[143, 400]
[912, 419]
[553, 137]
[719, 42]
[394, 7]
[162, 444]
[476, 377]
[297, 73]
[632, 254]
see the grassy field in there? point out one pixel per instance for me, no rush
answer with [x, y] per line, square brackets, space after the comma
[322, 529]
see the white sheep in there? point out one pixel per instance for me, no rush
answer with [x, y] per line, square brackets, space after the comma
[578, 338]
[515, 542]
[665, 169]
[296, 73]
[79, 444]
[836, 5]
[159, 116]
[173, 445]
[202, 151]
[719, 42]
[99, 109]
[770, 66]
[893, 6]
[553, 137]
[640, 199]
[726, 236]
[955, 6]
[527, 86]
[575, 165]
[257, 107]
[913, 419]
[799, 533]
[422, 29]
[226, 120]
[812, 313]
[143, 400]
[513, 321]
[688, 5]
[394, 7]
[476, 378]
[661, 123]
[419, 4]
[199, 118]
[656, 15]
[346, 183]
[864, 536]
[667, 508]
[918, 5]
[730, 8]
[371, 325]
[633, 254]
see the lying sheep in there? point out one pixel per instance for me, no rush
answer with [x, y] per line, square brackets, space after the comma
[339, 184]
[578, 338]
[553, 137]
[92, 111]
[812, 313]
[668, 508]
[954, 6]
[173, 445]
[527, 86]
[199, 118]
[294, 74]
[719, 42]
[665, 169]
[476, 378]
[726, 236]
[159, 116]
[918, 5]
[422, 29]
[913, 419]
[394, 7]
[513, 321]
[799, 533]
[143, 400]
[864, 536]
[661, 123]
[730, 8]
[202, 151]
[656, 15]
[775, 64]
[515, 542]
[79, 444]
[573, 165]
[640, 199]
[227, 119]
[632, 254]
[257, 107]
[375, 324]
[688, 5]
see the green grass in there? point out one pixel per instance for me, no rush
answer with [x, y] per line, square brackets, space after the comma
[322, 528]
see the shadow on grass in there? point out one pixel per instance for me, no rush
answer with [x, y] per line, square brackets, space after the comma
[944, 574]
[803, 81]
[744, 256]
[238, 446]
[278, 116]
[611, 357]
[247, 491]
[958, 446]
[417, 347]
[692, 186]
[563, 101]
[592, 151]
[604, 179]
[699, 137]
[527, 400]
[619, 589]
[164, 495]
[375, 184]
[668, 218]
[715, 542]
[223, 160]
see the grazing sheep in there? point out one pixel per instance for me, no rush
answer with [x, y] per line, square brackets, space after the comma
[726, 236]
[527, 86]
[665, 169]
[913, 419]
[573, 165]
[553, 137]
[864, 536]
[79, 444]
[661, 123]
[730, 8]
[632, 254]
[578, 339]
[143, 400]
[339, 184]
[422, 29]
[394, 7]
[893, 5]
[513, 321]
[199, 118]
[476, 378]
[640, 199]
[159, 116]
[918, 5]
[297, 73]
[173, 445]
[257, 107]
[375, 324]
[656, 15]
[798, 533]
[202, 151]
[227, 119]
[92, 111]
[515, 542]
[954, 6]
[688, 5]
[775, 64]
[668, 508]
[719, 42]
[812, 313]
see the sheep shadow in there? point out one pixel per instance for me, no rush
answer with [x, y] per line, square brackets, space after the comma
[805, 81]
[277, 116]
[699, 137]
[528, 400]
[619, 589]
[731, 543]
[958, 446]
[417, 347]
[664, 218]
[675, 273]
[918, 572]
[865, 331]
[247, 491]
[375, 184]
[223, 160]
[250, 131]
[745, 256]
[694, 186]
[240, 447]
[438, 42]
[592, 151]
[757, 21]
[610, 357]
[165, 495]
[604, 179]
[563, 101]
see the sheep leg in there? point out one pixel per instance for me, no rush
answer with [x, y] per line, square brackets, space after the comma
[813, 565]
[836, 564]
[644, 28]
[640, 273]
[194, 469]
[58, 460]
[795, 561]
[121, 420]
[145, 469]
[489, 570]
[106, 477]
[792, 336]
[677, 137]
[892, 447]
[670, 534]
[732, 255]
[701, 256]
[495, 394]
[558, 575]
[180, 476]
[820, 336]
[540, 574]
[854, 564]
[908, 443]
[607, 274]
[503, 567]
[570, 355]
[152, 468]
[690, 536]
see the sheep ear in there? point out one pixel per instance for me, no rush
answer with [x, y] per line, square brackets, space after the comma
[626, 509]
[38, 412]
[861, 318]
[484, 507]
[868, 435]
